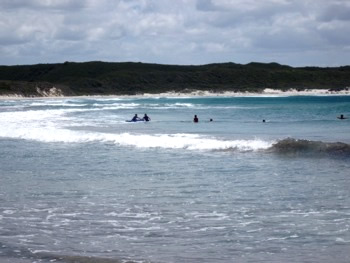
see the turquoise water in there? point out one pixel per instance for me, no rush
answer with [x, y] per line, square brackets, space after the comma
[76, 180]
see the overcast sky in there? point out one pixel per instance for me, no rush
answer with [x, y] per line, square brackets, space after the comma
[292, 32]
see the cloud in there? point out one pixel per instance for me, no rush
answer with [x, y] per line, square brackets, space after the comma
[336, 33]
[175, 32]
[70, 5]
[336, 11]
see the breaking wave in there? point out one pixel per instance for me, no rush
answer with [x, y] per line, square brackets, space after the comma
[53, 126]
[296, 147]
[195, 142]
[165, 141]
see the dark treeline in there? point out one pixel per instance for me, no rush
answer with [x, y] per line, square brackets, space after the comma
[102, 78]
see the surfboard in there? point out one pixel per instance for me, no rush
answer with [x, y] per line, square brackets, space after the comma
[134, 121]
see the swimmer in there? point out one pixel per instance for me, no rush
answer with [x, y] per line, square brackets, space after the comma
[146, 118]
[341, 117]
[135, 118]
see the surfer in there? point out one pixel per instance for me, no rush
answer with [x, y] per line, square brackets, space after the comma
[341, 117]
[195, 119]
[146, 117]
[135, 118]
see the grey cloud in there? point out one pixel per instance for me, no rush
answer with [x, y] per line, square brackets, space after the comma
[231, 15]
[206, 5]
[339, 11]
[336, 34]
[168, 31]
[68, 5]
[6, 40]
[70, 34]
[15, 4]
[287, 40]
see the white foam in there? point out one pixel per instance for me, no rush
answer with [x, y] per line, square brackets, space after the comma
[167, 141]
[186, 105]
[341, 240]
[9, 212]
[117, 105]
[182, 141]
[50, 126]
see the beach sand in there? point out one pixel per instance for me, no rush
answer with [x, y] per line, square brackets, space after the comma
[199, 93]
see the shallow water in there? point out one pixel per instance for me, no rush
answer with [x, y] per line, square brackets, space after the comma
[79, 183]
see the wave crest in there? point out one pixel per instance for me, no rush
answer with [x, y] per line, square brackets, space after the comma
[292, 146]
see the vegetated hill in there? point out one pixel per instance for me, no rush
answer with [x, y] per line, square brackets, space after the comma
[103, 78]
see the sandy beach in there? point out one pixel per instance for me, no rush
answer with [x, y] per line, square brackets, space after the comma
[200, 93]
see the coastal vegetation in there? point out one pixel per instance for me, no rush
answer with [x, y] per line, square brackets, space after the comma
[130, 78]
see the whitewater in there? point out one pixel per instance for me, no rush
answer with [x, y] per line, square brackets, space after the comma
[266, 180]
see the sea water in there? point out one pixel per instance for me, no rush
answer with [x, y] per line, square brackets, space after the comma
[80, 184]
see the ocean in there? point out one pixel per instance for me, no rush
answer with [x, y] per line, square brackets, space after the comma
[80, 184]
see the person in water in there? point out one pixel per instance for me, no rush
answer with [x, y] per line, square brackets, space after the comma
[195, 119]
[146, 118]
[135, 118]
[341, 117]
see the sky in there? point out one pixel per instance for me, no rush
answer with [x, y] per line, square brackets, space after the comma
[182, 32]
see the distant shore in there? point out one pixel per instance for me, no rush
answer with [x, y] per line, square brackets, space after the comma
[200, 93]
[98, 78]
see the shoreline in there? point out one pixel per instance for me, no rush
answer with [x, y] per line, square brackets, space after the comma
[200, 93]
